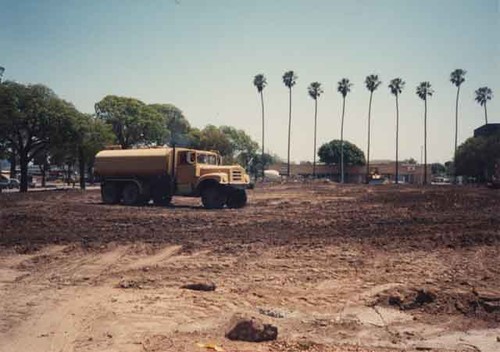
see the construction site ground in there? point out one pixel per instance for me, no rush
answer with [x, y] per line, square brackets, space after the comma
[334, 267]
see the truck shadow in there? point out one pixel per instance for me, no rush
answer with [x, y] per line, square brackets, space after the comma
[153, 206]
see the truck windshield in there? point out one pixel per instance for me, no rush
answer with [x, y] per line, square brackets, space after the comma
[209, 159]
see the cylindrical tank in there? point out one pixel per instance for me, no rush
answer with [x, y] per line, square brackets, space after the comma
[130, 162]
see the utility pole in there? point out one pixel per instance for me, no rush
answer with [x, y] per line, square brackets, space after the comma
[2, 70]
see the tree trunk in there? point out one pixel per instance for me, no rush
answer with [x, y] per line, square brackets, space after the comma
[485, 113]
[91, 175]
[289, 129]
[425, 141]
[342, 143]
[23, 163]
[397, 140]
[315, 125]
[368, 149]
[262, 156]
[68, 175]
[43, 171]
[13, 163]
[81, 164]
[456, 132]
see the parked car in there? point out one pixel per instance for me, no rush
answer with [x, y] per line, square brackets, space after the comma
[4, 182]
[14, 183]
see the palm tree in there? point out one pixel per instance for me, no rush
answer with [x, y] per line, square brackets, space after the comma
[372, 82]
[344, 87]
[424, 90]
[259, 81]
[315, 91]
[396, 86]
[457, 77]
[484, 94]
[289, 79]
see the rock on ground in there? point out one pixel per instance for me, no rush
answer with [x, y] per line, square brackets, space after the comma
[250, 329]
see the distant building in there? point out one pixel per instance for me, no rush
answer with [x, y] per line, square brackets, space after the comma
[487, 130]
[409, 173]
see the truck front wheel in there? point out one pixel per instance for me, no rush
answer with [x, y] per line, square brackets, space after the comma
[131, 194]
[213, 197]
[237, 198]
[110, 193]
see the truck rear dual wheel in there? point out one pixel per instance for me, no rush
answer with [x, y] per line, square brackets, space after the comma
[162, 200]
[131, 194]
[110, 193]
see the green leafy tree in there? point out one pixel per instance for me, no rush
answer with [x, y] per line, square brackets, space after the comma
[315, 91]
[260, 82]
[372, 82]
[343, 87]
[484, 94]
[410, 161]
[457, 77]
[331, 153]
[289, 79]
[212, 138]
[438, 169]
[424, 90]
[32, 118]
[132, 121]
[396, 87]
[244, 148]
[93, 135]
[176, 124]
[477, 157]
[256, 163]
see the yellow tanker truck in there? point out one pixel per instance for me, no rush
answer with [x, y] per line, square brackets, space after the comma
[135, 176]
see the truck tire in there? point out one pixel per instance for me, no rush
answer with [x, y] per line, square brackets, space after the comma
[131, 194]
[213, 197]
[110, 193]
[236, 199]
[162, 200]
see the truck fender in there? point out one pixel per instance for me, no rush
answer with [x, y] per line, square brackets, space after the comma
[211, 179]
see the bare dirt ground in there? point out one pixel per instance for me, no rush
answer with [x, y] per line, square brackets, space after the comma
[335, 268]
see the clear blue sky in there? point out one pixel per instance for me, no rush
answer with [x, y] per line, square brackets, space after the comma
[201, 55]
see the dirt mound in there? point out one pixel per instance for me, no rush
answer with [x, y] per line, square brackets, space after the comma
[473, 304]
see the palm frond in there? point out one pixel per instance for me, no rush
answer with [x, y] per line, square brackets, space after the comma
[396, 86]
[457, 77]
[372, 82]
[315, 90]
[289, 79]
[344, 86]
[424, 90]
[483, 94]
[260, 82]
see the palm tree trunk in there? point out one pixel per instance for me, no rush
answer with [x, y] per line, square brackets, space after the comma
[485, 113]
[81, 167]
[397, 140]
[456, 132]
[315, 124]
[368, 149]
[262, 156]
[425, 142]
[289, 129]
[342, 143]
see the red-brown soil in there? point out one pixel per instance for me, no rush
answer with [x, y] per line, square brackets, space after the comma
[335, 268]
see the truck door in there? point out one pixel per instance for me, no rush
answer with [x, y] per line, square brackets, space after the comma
[186, 172]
